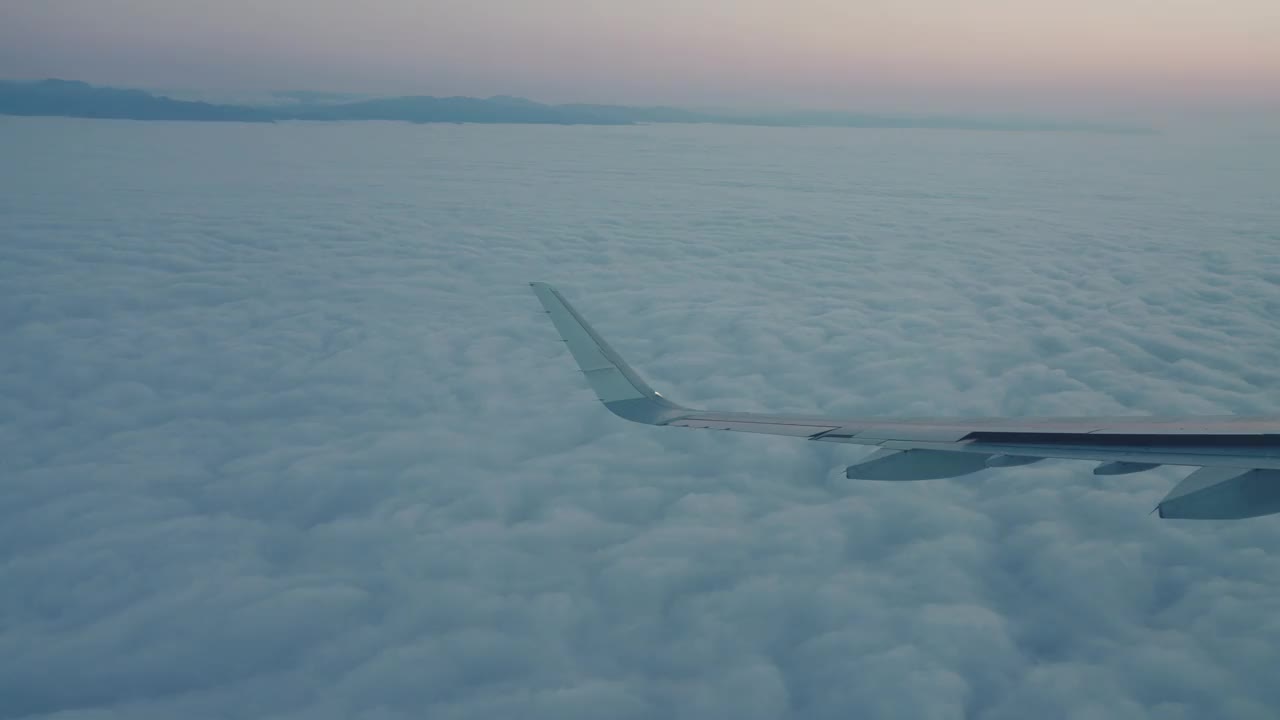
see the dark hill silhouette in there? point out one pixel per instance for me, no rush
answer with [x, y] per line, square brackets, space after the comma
[77, 99]
[69, 98]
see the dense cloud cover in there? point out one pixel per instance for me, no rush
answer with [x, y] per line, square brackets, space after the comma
[283, 432]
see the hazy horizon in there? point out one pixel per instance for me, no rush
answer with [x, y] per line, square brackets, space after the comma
[1091, 58]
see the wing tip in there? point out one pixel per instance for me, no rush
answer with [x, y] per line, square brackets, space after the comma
[619, 387]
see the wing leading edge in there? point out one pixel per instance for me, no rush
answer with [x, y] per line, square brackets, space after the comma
[1238, 457]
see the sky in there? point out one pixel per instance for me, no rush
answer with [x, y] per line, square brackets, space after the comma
[285, 434]
[1085, 56]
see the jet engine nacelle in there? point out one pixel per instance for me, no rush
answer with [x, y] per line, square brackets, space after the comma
[1215, 493]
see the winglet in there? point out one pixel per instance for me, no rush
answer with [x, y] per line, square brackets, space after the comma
[619, 387]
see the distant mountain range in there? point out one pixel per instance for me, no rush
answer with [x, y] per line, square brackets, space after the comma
[68, 98]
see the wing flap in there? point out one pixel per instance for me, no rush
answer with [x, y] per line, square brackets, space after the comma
[1201, 457]
[914, 464]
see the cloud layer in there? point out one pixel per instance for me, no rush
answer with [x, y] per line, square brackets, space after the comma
[284, 433]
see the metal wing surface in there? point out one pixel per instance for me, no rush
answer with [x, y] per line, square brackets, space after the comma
[1238, 457]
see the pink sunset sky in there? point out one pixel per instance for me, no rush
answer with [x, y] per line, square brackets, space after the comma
[927, 55]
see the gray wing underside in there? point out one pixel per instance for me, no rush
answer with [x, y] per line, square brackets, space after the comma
[1238, 457]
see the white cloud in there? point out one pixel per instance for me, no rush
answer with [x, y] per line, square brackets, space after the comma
[285, 434]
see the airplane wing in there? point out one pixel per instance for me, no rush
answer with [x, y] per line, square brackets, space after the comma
[1237, 458]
